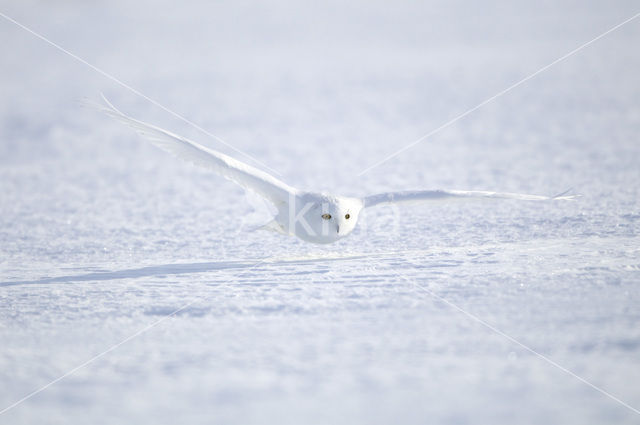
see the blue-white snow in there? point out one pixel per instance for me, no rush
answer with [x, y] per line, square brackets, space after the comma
[103, 235]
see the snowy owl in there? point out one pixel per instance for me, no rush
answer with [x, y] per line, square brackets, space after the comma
[313, 217]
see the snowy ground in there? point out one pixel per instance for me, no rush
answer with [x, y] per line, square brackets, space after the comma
[102, 235]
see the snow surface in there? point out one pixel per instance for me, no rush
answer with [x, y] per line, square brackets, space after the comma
[102, 235]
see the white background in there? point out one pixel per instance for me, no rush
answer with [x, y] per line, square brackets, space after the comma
[101, 234]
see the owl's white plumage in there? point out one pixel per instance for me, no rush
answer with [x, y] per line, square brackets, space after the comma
[313, 217]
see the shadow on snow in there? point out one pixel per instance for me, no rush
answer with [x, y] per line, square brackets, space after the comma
[175, 269]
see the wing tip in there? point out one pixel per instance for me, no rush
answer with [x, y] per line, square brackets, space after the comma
[105, 106]
[109, 104]
[564, 197]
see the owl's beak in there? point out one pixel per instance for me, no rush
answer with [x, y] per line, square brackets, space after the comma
[338, 229]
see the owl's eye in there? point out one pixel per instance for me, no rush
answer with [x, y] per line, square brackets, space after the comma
[326, 216]
[347, 216]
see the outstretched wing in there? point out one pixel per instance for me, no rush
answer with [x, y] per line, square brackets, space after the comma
[436, 195]
[243, 174]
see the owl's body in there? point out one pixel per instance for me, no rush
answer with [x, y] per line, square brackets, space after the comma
[318, 217]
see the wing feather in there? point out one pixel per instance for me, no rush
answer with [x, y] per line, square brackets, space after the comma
[243, 174]
[437, 195]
